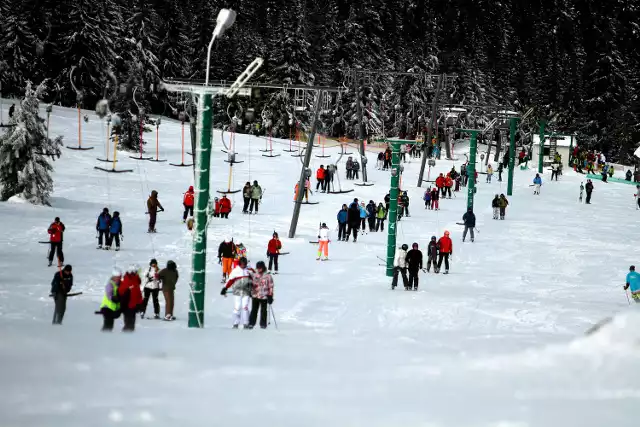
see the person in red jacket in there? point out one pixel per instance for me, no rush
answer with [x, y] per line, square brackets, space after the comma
[56, 230]
[216, 208]
[320, 177]
[446, 249]
[273, 250]
[130, 297]
[187, 200]
[225, 207]
[440, 184]
[448, 183]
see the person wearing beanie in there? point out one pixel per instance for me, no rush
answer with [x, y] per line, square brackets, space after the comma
[188, 200]
[151, 289]
[261, 295]
[60, 286]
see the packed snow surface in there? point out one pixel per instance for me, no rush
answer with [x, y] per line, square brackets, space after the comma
[498, 342]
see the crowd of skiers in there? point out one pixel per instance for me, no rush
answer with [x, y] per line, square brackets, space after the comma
[412, 261]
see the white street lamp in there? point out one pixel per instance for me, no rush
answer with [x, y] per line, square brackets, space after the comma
[226, 18]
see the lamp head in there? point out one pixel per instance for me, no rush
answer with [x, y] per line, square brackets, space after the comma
[226, 18]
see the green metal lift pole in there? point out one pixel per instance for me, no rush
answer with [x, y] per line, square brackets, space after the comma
[543, 124]
[512, 153]
[471, 167]
[202, 171]
[393, 206]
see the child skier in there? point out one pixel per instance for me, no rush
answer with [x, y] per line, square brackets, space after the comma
[432, 254]
[323, 242]
[188, 200]
[273, 250]
[153, 204]
[241, 283]
[581, 191]
[226, 255]
[115, 231]
[427, 198]
[60, 286]
[502, 204]
[496, 207]
[537, 183]
[489, 173]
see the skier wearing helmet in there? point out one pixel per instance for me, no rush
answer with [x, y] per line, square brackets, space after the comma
[446, 249]
[432, 254]
[414, 264]
[241, 283]
[400, 266]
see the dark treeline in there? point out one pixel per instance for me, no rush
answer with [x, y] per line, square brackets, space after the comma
[576, 61]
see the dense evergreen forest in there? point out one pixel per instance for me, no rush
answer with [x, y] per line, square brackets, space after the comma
[575, 61]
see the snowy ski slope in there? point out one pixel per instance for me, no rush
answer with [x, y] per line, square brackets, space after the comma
[498, 342]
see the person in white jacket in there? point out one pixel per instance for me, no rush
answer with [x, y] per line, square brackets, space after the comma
[400, 266]
[323, 242]
[240, 281]
[151, 288]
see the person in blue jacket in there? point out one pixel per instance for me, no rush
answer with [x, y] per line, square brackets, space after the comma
[363, 217]
[102, 227]
[371, 215]
[115, 231]
[342, 223]
[537, 183]
[633, 283]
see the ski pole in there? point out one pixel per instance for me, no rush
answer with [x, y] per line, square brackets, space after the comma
[627, 295]
[273, 314]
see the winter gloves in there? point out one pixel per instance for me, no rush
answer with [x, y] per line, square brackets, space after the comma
[270, 299]
[223, 292]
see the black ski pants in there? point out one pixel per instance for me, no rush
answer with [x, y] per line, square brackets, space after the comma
[444, 257]
[245, 206]
[380, 224]
[103, 234]
[434, 261]
[254, 205]
[153, 293]
[108, 318]
[188, 211]
[464, 234]
[273, 261]
[60, 300]
[342, 230]
[413, 278]
[396, 272]
[554, 174]
[353, 228]
[113, 237]
[258, 305]
[372, 224]
[129, 320]
[588, 197]
[363, 224]
[386, 165]
[56, 247]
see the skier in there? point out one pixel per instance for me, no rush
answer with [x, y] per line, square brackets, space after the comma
[153, 204]
[387, 202]
[380, 161]
[610, 171]
[432, 254]
[604, 173]
[502, 204]
[371, 215]
[405, 203]
[225, 207]
[115, 231]
[495, 204]
[353, 221]
[554, 170]
[60, 286]
[537, 183]
[130, 297]
[188, 199]
[342, 223]
[387, 159]
[261, 295]
[469, 219]
[414, 264]
[581, 191]
[633, 282]
[216, 207]
[102, 227]
[240, 282]
[256, 196]
[448, 183]
[169, 278]
[329, 173]
[435, 198]
[356, 170]
[320, 175]
[323, 242]
[500, 169]
[246, 197]
[589, 188]
[445, 247]
[349, 167]
[489, 173]
[110, 306]
[403, 153]
[427, 198]
[273, 251]
[400, 267]
[363, 217]
[56, 234]
[151, 289]
[628, 175]
[440, 184]
[464, 173]
[226, 255]
[381, 214]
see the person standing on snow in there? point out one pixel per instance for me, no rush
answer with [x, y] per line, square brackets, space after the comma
[469, 219]
[323, 242]
[356, 170]
[115, 231]
[225, 207]
[353, 221]
[246, 197]
[261, 296]
[405, 203]
[60, 286]
[241, 283]
[489, 173]
[427, 198]
[500, 169]
[440, 184]
[381, 214]
[502, 204]
[349, 167]
[537, 183]
[589, 188]
[151, 289]
[130, 297]
[273, 251]
[169, 278]
[256, 196]
[435, 198]
[432, 254]
[495, 205]
[363, 217]
[400, 267]
[371, 215]
[188, 199]
[102, 227]
[153, 204]
[226, 255]
[342, 223]
[445, 246]
[387, 202]
[633, 282]
[56, 234]
[320, 177]
[110, 306]
[414, 265]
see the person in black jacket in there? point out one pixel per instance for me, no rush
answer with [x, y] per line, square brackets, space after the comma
[414, 265]
[589, 189]
[353, 221]
[60, 286]
[469, 219]
[432, 254]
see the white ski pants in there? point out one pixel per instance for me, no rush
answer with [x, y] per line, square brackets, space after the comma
[536, 189]
[241, 308]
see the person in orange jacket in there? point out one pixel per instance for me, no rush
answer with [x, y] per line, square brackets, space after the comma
[448, 183]
[446, 249]
[130, 297]
[440, 184]
[188, 200]
[225, 207]
[320, 177]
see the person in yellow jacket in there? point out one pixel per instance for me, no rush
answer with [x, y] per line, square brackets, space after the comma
[110, 307]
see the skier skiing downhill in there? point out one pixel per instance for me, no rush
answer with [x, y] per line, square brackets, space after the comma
[633, 283]
[153, 204]
[400, 267]
[432, 254]
[56, 232]
[537, 183]
[226, 255]
[469, 219]
[414, 264]
[445, 246]
[102, 227]
[188, 200]
[241, 283]
[323, 242]
[273, 251]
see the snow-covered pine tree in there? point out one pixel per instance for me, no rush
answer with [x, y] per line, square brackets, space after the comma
[16, 46]
[25, 152]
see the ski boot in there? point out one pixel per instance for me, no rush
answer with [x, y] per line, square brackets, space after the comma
[156, 316]
[50, 263]
[235, 327]
[99, 247]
